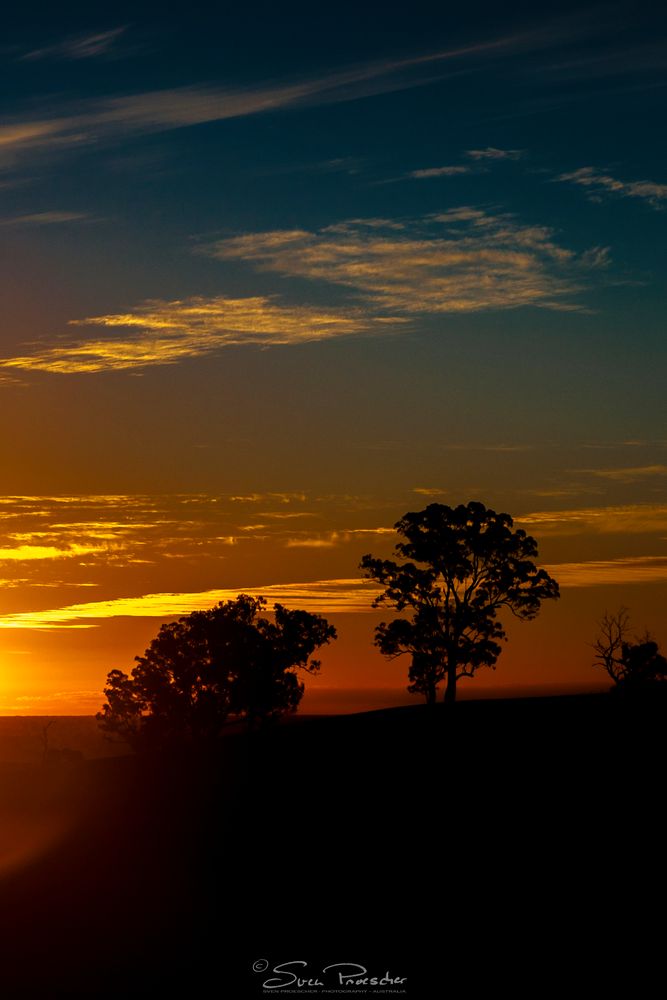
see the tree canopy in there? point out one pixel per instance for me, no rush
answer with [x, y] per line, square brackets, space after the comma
[210, 666]
[463, 566]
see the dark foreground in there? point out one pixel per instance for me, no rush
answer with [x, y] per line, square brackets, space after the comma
[499, 845]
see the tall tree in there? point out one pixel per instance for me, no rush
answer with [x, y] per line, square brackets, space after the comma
[464, 566]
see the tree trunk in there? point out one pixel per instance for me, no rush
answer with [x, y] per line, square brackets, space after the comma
[430, 693]
[450, 690]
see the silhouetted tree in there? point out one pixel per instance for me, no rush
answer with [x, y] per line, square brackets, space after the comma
[465, 565]
[644, 666]
[210, 666]
[614, 631]
[633, 666]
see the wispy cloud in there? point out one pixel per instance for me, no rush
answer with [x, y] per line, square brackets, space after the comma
[320, 596]
[26, 553]
[71, 542]
[633, 474]
[368, 531]
[164, 333]
[45, 219]
[333, 538]
[491, 153]
[337, 596]
[281, 515]
[189, 540]
[285, 498]
[620, 58]
[501, 447]
[78, 47]
[69, 126]
[597, 573]
[427, 172]
[182, 107]
[600, 185]
[85, 702]
[318, 542]
[463, 260]
[629, 519]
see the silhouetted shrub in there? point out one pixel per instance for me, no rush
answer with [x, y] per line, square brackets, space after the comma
[212, 666]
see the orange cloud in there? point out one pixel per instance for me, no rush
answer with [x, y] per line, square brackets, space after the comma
[25, 553]
[629, 519]
[596, 573]
[632, 474]
[320, 596]
[164, 333]
[328, 542]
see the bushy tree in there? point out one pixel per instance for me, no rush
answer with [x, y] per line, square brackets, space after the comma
[210, 666]
[464, 566]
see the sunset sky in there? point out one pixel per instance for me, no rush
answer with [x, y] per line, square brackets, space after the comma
[273, 275]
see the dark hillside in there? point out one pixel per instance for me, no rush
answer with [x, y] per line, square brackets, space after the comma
[400, 839]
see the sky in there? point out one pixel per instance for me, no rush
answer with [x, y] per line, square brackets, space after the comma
[273, 276]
